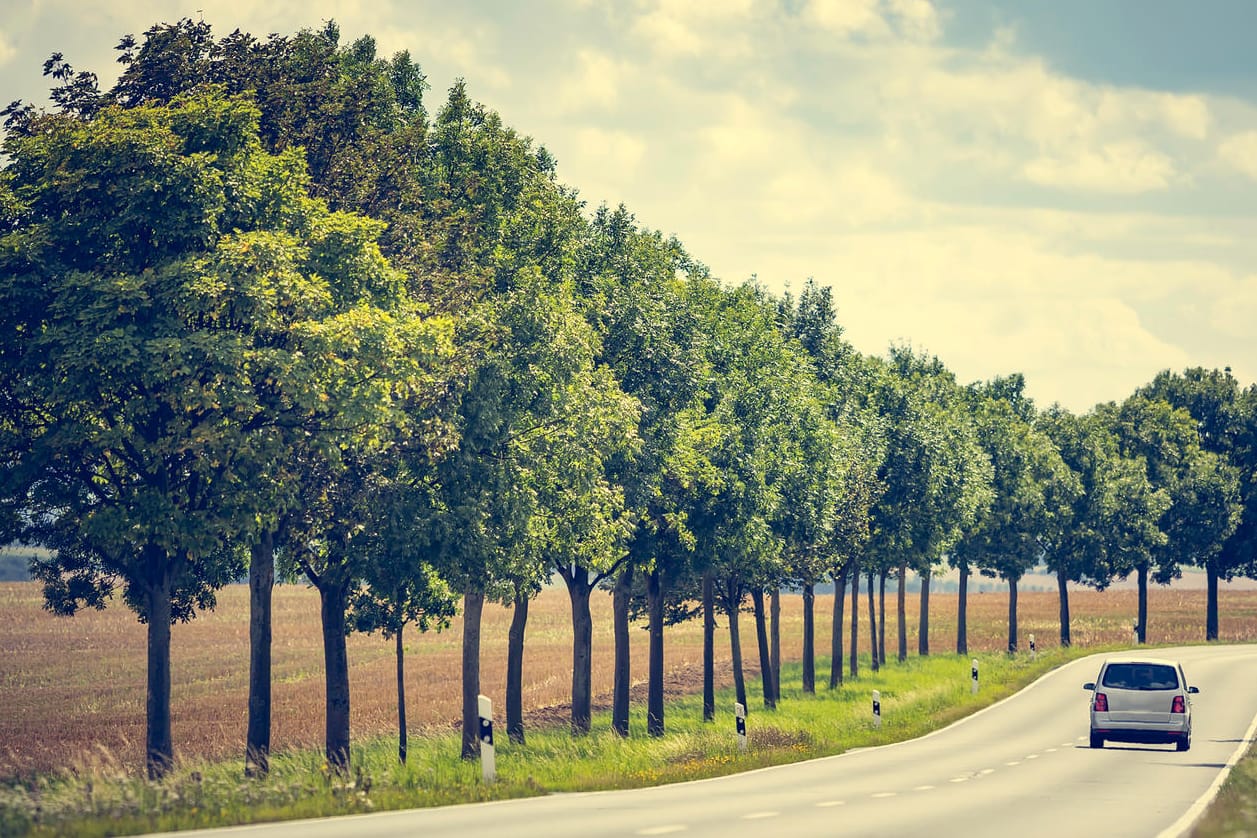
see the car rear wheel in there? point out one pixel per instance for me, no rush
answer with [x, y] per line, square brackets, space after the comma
[1097, 741]
[1184, 742]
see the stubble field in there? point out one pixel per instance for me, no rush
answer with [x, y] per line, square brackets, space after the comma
[73, 689]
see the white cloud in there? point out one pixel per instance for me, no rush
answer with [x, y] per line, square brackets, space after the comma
[7, 51]
[916, 20]
[610, 150]
[1240, 153]
[1122, 167]
[595, 83]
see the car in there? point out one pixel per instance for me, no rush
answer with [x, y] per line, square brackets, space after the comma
[1139, 699]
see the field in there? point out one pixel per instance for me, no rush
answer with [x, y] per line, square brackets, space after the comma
[73, 689]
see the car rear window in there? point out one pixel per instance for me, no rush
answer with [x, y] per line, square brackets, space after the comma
[1140, 676]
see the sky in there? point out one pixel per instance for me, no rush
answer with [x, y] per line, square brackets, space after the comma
[1063, 189]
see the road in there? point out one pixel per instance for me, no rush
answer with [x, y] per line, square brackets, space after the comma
[1021, 767]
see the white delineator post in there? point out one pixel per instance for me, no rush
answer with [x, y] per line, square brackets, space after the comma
[739, 712]
[1033, 652]
[877, 708]
[488, 766]
[975, 676]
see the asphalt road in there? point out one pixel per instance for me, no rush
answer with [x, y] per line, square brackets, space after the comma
[1019, 768]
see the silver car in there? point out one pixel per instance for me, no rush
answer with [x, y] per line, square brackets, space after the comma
[1141, 700]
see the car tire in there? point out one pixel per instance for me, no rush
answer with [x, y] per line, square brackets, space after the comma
[1184, 742]
[1097, 741]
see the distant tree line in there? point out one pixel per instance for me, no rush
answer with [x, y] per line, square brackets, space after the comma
[263, 314]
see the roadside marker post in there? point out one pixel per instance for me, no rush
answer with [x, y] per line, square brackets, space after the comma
[488, 765]
[975, 676]
[1033, 652]
[877, 708]
[739, 712]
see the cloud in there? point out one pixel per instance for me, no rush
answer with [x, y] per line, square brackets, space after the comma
[915, 20]
[614, 150]
[595, 83]
[1127, 167]
[1239, 151]
[692, 27]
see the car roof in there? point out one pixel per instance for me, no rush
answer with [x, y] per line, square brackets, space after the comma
[1140, 659]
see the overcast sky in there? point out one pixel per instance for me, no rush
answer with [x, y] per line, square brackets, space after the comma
[1066, 189]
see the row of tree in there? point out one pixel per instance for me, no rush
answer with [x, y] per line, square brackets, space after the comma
[261, 313]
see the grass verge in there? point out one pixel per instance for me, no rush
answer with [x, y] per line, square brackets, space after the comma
[918, 696]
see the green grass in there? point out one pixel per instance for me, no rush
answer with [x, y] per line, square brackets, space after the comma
[1234, 811]
[918, 696]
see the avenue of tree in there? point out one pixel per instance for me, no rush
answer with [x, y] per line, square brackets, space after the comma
[265, 315]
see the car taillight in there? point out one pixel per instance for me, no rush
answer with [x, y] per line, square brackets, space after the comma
[1102, 703]
[1179, 706]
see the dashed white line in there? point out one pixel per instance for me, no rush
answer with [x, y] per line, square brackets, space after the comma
[924, 788]
[1051, 750]
[1032, 756]
[662, 830]
[959, 779]
[885, 794]
[826, 804]
[1014, 762]
[755, 816]
[986, 771]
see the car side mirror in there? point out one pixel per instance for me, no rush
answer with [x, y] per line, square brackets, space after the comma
[1090, 685]
[1193, 690]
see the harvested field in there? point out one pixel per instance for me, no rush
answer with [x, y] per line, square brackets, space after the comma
[73, 689]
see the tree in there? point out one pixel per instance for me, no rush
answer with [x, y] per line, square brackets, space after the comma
[195, 303]
[1033, 490]
[935, 476]
[1225, 421]
[1203, 490]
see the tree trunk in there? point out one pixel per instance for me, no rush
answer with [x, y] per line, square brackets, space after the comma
[1141, 621]
[332, 598]
[734, 598]
[876, 664]
[515, 668]
[962, 612]
[654, 697]
[881, 619]
[855, 621]
[774, 613]
[159, 746]
[578, 590]
[1062, 591]
[1211, 604]
[923, 632]
[401, 695]
[257, 746]
[1012, 615]
[623, 658]
[809, 638]
[765, 656]
[835, 641]
[709, 648]
[902, 612]
[473, 606]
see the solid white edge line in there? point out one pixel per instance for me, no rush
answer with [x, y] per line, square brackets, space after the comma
[1197, 809]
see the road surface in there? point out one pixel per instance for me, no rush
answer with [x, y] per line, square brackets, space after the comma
[1019, 768]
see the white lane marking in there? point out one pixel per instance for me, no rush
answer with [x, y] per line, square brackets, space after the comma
[923, 788]
[826, 804]
[1069, 744]
[1032, 756]
[986, 771]
[959, 779]
[1015, 762]
[662, 830]
[754, 816]
[885, 794]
